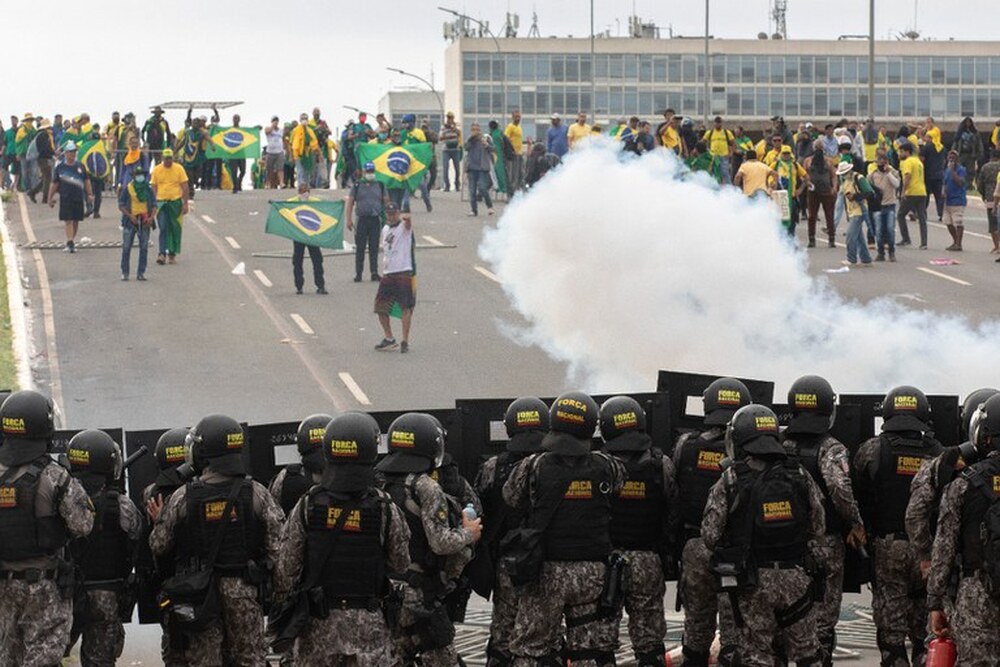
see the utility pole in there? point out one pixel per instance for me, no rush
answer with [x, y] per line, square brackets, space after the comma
[871, 59]
[593, 67]
[708, 67]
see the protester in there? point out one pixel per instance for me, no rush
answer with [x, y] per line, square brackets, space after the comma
[237, 166]
[132, 159]
[515, 164]
[822, 191]
[274, 154]
[503, 151]
[26, 155]
[299, 251]
[369, 197]
[71, 183]
[754, 176]
[853, 198]
[479, 151]
[305, 149]
[8, 166]
[668, 135]
[885, 181]
[720, 143]
[451, 137]
[969, 145]
[792, 178]
[933, 155]
[577, 131]
[396, 287]
[556, 141]
[137, 202]
[156, 134]
[986, 184]
[641, 141]
[955, 183]
[45, 148]
[170, 191]
[914, 194]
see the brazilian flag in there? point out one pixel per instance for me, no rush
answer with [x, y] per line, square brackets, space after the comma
[234, 143]
[94, 158]
[316, 223]
[398, 166]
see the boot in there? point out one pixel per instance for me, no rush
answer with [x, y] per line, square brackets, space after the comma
[832, 243]
[812, 242]
[954, 238]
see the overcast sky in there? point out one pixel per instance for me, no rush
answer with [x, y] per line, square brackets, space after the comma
[285, 57]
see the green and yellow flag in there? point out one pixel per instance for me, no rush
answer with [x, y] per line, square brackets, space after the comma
[94, 158]
[397, 166]
[234, 143]
[316, 223]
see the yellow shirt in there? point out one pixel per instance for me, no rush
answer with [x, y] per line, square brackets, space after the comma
[168, 181]
[516, 136]
[995, 136]
[915, 168]
[849, 186]
[772, 156]
[761, 149]
[755, 176]
[670, 138]
[719, 141]
[577, 132]
[299, 141]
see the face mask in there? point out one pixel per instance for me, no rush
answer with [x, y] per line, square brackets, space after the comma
[140, 179]
[369, 177]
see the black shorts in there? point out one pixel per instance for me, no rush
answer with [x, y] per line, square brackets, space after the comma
[396, 288]
[70, 211]
[11, 164]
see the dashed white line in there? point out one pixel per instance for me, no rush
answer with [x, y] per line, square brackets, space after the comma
[967, 232]
[353, 387]
[943, 275]
[299, 320]
[264, 280]
[232, 243]
[486, 272]
[207, 219]
[432, 240]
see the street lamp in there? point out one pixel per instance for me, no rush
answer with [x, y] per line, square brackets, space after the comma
[426, 83]
[356, 110]
[496, 43]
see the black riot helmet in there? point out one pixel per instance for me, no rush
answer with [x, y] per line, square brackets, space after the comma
[218, 441]
[813, 405]
[171, 448]
[722, 399]
[904, 409]
[309, 440]
[27, 420]
[986, 433]
[350, 447]
[970, 408]
[95, 454]
[623, 425]
[526, 421]
[416, 444]
[572, 422]
[753, 430]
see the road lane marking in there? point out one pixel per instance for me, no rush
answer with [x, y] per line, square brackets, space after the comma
[207, 219]
[967, 232]
[15, 293]
[232, 243]
[432, 241]
[264, 280]
[306, 329]
[486, 272]
[943, 275]
[353, 387]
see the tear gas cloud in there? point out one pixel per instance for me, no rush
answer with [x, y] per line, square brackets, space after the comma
[621, 268]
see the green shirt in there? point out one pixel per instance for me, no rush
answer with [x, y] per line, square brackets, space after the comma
[10, 140]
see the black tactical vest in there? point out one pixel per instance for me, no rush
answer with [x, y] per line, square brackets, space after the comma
[637, 511]
[106, 554]
[581, 485]
[899, 460]
[355, 569]
[502, 517]
[770, 511]
[807, 448]
[982, 492]
[297, 481]
[243, 537]
[698, 470]
[399, 488]
[24, 535]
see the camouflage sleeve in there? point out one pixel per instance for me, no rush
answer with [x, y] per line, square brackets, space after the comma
[945, 543]
[469, 495]
[442, 538]
[161, 538]
[487, 473]
[274, 488]
[288, 565]
[515, 491]
[398, 547]
[75, 506]
[130, 518]
[923, 494]
[713, 522]
[817, 517]
[675, 457]
[269, 511]
[865, 469]
[835, 468]
[671, 517]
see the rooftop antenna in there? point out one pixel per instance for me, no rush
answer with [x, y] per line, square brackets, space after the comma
[779, 11]
[511, 25]
[533, 32]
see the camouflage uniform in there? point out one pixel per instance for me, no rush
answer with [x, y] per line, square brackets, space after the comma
[975, 621]
[357, 634]
[238, 639]
[776, 589]
[169, 654]
[572, 588]
[35, 617]
[926, 492]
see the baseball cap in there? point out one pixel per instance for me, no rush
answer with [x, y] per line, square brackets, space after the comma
[391, 207]
[69, 146]
[555, 116]
[168, 152]
[369, 166]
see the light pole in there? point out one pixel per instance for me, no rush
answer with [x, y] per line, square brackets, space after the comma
[426, 83]
[871, 60]
[496, 43]
[708, 66]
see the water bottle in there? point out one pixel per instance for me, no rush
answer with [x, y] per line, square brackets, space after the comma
[941, 652]
[469, 512]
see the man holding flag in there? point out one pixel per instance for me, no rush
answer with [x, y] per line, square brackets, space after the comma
[299, 251]
[305, 149]
[310, 223]
[396, 293]
[170, 191]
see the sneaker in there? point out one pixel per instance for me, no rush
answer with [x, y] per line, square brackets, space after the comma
[124, 277]
[171, 259]
[892, 257]
[357, 278]
[923, 247]
[471, 214]
[811, 244]
[97, 216]
[67, 248]
[161, 259]
[298, 290]
[387, 344]
[489, 212]
[880, 258]
[141, 277]
[866, 264]
[404, 347]
[429, 207]
[954, 247]
[321, 290]
[902, 243]
[375, 277]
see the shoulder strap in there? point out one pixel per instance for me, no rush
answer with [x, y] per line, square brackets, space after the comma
[345, 512]
[230, 501]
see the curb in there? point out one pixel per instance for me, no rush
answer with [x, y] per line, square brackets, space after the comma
[15, 299]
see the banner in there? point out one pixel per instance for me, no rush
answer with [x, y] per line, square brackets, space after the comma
[234, 143]
[316, 223]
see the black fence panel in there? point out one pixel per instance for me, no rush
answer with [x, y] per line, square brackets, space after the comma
[945, 415]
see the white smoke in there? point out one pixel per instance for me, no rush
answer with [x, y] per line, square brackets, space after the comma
[623, 267]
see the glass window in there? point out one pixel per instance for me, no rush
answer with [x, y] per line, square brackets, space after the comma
[995, 102]
[881, 71]
[675, 99]
[733, 71]
[820, 70]
[982, 103]
[558, 68]
[573, 100]
[468, 99]
[821, 107]
[527, 68]
[791, 70]
[585, 68]
[863, 70]
[496, 101]
[646, 106]
[746, 102]
[659, 69]
[968, 66]
[659, 102]
[585, 100]
[601, 67]
[557, 100]
[923, 102]
[967, 102]
[513, 98]
[542, 106]
[792, 101]
[572, 68]
[937, 70]
[483, 67]
[630, 105]
[982, 72]
[909, 102]
[923, 70]
[732, 102]
[674, 69]
[469, 67]
[850, 70]
[806, 69]
[527, 102]
[718, 100]
[616, 67]
[498, 68]
[689, 69]
[777, 70]
[863, 102]
[617, 104]
[645, 68]
[895, 70]
[512, 63]
[909, 71]
[631, 66]
[763, 102]
[836, 69]
[895, 102]
[747, 69]
[850, 101]
[995, 71]
[836, 100]
[777, 102]
[951, 70]
[543, 70]
[953, 108]
[881, 105]
[939, 103]
[689, 101]
[762, 67]
[483, 100]
[602, 101]
[718, 69]
[806, 101]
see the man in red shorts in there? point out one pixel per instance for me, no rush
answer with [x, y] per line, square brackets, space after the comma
[397, 283]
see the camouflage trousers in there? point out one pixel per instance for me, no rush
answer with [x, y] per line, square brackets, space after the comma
[171, 656]
[899, 600]
[776, 591]
[34, 623]
[702, 602]
[502, 621]
[828, 609]
[644, 603]
[571, 589]
[976, 624]
[238, 638]
[407, 640]
[103, 634]
[359, 635]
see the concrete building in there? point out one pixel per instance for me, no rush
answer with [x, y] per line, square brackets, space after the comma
[750, 80]
[422, 103]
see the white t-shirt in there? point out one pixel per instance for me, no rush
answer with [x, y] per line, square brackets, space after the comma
[397, 248]
[274, 142]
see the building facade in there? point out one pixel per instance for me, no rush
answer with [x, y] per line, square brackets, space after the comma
[750, 80]
[422, 103]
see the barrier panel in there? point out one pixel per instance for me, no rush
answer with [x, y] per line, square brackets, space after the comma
[945, 416]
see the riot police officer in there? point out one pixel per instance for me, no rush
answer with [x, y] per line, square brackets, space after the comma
[697, 458]
[171, 461]
[885, 466]
[969, 528]
[294, 480]
[41, 508]
[104, 558]
[643, 518]
[526, 420]
[224, 525]
[440, 546]
[567, 492]
[813, 406]
[341, 541]
[763, 521]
